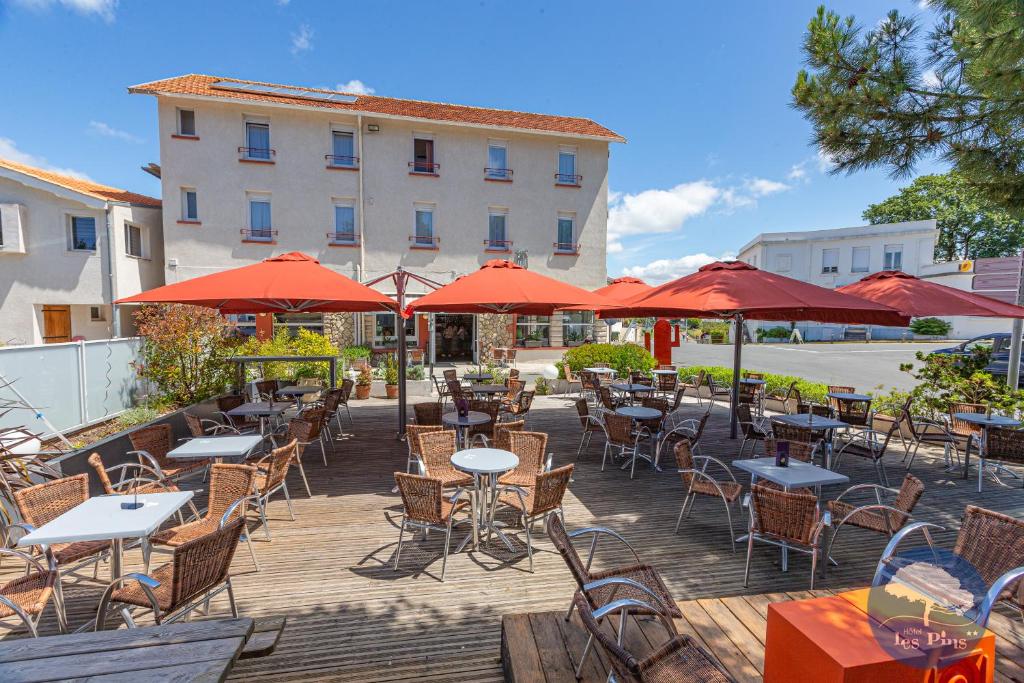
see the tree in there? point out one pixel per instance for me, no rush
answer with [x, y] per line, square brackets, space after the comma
[889, 96]
[970, 225]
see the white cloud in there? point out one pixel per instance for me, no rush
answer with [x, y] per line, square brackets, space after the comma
[100, 128]
[762, 187]
[931, 79]
[355, 87]
[9, 150]
[663, 270]
[826, 162]
[302, 41]
[104, 9]
[657, 211]
[798, 172]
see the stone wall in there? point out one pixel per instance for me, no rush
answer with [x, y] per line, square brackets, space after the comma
[494, 329]
[340, 328]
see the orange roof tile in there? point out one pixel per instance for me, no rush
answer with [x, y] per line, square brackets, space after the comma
[86, 187]
[201, 85]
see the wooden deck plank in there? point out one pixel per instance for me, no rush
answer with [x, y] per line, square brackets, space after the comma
[738, 633]
[731, 657]
[524, 662]
[748, 616]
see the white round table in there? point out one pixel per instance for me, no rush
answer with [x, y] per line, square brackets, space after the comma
[461, 424]
[639, 412]
[485, 464]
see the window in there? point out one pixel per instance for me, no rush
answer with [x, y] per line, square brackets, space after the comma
[343, 149]
[861, 260]
[260, 226]
[133, 240]
[83, 233]
[893, 257]
[385, 332]
[423, 156]
[566, 236]
[577, 327]
[533, 330]
[293, 322]
[423, 235]
[753, 260]
[567, 167]
[245, 324]
[189, 205]
[186, 122]
[829, 260]
[344, 223]
[783, 263]
[257, 141]
[96, 313]
[497, 229]
[497, 161]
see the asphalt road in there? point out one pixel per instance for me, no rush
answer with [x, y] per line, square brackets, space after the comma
[864, 366]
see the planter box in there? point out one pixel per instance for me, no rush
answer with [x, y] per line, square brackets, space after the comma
[413, 387]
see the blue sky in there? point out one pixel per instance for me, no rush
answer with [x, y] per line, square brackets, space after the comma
[701, 91]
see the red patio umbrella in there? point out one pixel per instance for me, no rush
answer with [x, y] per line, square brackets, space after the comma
[289, 283]
[736, 290]
[919, 298]
[619, 289]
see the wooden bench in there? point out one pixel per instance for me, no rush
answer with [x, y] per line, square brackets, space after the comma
[265, 635]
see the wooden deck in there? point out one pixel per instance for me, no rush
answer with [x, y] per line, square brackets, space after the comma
[352, 617]
[544, 648]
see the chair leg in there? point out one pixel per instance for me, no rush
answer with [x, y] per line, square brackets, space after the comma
[288, 500]
[529, 541]
[681, 511]
[579, 450]
[231, 598]
[323, 451]
[583, 657]
[981, 471]
[263, 517]
[401, 535]
[750, 551]
[732, 533]
[604, 457]
[60, 607]
[814, 565]
[302, 471]
[248, 543]
[447, 540]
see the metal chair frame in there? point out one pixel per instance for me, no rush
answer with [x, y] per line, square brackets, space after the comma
[58, 595]
[691, 495]
[814, 549]
[426, 527]
[877, 506]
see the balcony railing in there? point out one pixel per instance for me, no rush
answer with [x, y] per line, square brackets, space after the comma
[256, 154]
[498, 174]
[566, 247]
[343, 237]
[423, 167]
[570, 179]
[258, 234]
[424, 241]
[337, 161]
[498, 245]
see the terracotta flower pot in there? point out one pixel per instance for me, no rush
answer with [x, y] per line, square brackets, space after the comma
[362, 391]
[392, 390]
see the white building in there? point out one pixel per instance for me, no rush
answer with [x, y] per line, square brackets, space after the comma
[367, 183]
[840, 256]
[68, 248]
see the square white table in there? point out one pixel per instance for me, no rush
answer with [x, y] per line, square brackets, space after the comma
[218, 448]
[101, 519]
[818, 423]
[260, 409]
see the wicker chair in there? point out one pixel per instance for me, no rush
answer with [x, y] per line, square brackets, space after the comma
[347, 385]
[228, 485]
[436, 450]
[267, 390]
[427, 508]
[870, 445]
[44, 503]
[719, 392]
[486, 430]
[200, 427]
[931, 432]
[304, 429]
[655, 425]
[502, 436]
[607, 400]
[679, 660]
[456, 392]
[588, 422]
[591, 385]
[197, 572]
[515, 386]
[799, 434]
[690, 430]
[798, 450]
[833, 404]
[1001, 446]
[698, 482]
[780, 517]
[530, 448]
[151, 445]
[754, 430]
[512, 374]
[877, 516]
[667, 384]
[441, 387]
[989, 544]
[330, 402]
[694, 385]
[271, 475]
[412, 441]
[571, 379]
[619, 434]
[967, 431]
[26, 596]
[521, 406]
[244, 425]
[428, 413]
[636, 581]
[542, 498]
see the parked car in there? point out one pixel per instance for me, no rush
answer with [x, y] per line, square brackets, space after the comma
[998, 342]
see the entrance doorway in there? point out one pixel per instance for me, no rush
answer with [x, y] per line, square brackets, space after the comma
[454, 337]
[56, 324]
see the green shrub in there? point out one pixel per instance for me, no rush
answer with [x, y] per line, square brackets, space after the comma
[541, 386]
[774, 384]
[416, 372]
[931, 326]
[305, 343]
[353, 353]
[621, 357]
[390, 374]
[777, 332]
[133, 417]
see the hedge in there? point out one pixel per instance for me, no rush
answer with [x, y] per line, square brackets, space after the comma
[774, 384]
[621, 357]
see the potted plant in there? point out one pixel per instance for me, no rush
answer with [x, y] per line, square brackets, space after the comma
[533, 340]
[363, 382]
[391, 376]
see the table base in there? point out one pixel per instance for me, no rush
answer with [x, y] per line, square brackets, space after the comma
[483, 513]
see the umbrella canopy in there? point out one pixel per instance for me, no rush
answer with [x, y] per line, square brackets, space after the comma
[620, 289]
[918, 298]
[726, 289]
[504, 287]
[289, 283]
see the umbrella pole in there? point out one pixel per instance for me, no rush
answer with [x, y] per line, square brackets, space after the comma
[736, 361]
[400, 281]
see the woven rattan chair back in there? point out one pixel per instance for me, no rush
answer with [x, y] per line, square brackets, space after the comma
[450, 375]
[316, 417]
[412, 432]
[639, 377]
[701, 424]
[560, 539]
[601, 365]
[226, 403]
[436, 451]
[624, 664]
[678, 400]
[784, 431]
[203, 563]
[747, 393]
[455, 390]
[513, 374]
[746, 420]
[502, 437]
[549, 490]
[851, 411]
[583, 410]
[529, 447]
[228, 484]
[667, 383]
[515, 386]
[656, 402]
[993, 544]
[421, 497]
[838, 389]
[570, 376]
[620, 429]
[753, 375]
[280, 459]
[523, 402]
[155, 440]
[302, 430]
[267, 388]
[798, 450]
[347, 385]
[590, 380]
[911, 491]
[699, 380]
[44, 503]
[1005, 444]
[605, 394]
[666, 367]
[332, 399]
[428, 413]
[814, 409]
[684, 461]
[195, 425]
[960, 427]
[784, 515]
[489, 408]
[96, 462]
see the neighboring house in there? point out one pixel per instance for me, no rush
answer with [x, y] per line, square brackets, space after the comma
[367, 183]
[836, 257]
[68, 248]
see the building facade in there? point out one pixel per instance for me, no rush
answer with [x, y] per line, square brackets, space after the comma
[837, 257]
[366, 184]
[68, 249]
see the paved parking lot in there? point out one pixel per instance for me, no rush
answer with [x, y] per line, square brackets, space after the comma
[865, 366]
